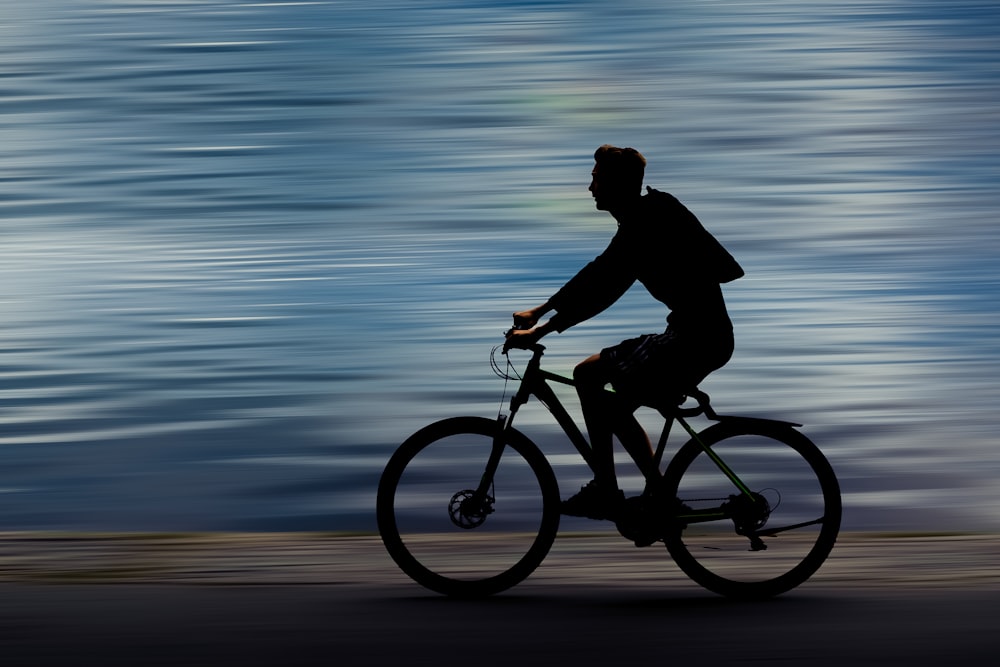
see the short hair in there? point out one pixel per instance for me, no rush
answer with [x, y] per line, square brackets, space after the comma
[627, 165]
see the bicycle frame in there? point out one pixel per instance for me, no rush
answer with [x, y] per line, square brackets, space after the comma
[535, 383]
[425, 508]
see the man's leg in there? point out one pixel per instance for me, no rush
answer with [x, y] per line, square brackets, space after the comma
[607, 414]
[601, 498]
[591, 376]
[636, 442]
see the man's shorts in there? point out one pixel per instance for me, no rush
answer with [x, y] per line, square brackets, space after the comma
[657, 367]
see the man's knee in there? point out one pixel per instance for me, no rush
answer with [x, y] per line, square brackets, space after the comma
[591, 373]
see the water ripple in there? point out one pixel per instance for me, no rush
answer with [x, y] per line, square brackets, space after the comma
[251, 246]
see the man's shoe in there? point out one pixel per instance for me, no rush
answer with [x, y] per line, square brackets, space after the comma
[594, 502]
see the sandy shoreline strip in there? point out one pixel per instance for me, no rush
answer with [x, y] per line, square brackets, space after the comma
[959, 561]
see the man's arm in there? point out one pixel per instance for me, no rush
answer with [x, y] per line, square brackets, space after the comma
[526, 331]
[597, 285]
[527, 319]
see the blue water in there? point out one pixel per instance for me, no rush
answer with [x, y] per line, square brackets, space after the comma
[249, 247]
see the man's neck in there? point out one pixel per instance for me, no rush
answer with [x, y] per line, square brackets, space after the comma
[625, 209]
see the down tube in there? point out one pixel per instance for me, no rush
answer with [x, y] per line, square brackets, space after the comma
[548, 398]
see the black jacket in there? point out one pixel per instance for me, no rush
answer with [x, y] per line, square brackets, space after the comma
[663, 246]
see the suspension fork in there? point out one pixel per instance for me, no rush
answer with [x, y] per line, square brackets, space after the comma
[493, 462]
[499, 438]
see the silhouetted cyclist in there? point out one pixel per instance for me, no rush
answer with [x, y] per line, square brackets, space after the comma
[661, 244]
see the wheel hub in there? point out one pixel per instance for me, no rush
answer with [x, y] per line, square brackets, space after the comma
[468, 509]
[749, 513]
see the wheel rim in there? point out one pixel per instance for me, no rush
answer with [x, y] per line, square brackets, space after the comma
[795, 514]
[449, 538]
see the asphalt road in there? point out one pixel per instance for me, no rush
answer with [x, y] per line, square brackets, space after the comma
[321, 601]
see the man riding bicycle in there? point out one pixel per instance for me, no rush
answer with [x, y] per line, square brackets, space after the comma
[661, 244]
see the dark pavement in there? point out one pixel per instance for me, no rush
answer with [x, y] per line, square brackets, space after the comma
[322, 600]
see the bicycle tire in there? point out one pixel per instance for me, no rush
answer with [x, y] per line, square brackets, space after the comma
[417, 498]
[779, 464]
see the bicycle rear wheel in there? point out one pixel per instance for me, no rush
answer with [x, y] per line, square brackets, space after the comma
[758, 545]
[447, 538]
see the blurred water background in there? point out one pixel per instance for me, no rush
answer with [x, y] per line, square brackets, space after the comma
[248, 247]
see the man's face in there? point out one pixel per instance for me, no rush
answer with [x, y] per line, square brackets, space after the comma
[607, 191]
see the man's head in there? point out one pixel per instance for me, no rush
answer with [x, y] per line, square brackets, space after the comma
[617, 176]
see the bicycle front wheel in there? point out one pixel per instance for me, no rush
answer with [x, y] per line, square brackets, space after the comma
[761, 543]
[448, 536]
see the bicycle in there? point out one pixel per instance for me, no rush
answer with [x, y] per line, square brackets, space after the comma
[747, 507]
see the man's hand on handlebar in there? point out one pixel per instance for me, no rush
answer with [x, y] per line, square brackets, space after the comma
[521, 339]
[526, 319]
[526, 330]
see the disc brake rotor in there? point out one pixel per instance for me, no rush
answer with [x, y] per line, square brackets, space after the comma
[469, 511]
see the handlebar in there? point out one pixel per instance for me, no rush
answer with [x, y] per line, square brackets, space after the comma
[536, 348]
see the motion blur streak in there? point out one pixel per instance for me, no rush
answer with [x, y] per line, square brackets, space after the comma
[249, 247]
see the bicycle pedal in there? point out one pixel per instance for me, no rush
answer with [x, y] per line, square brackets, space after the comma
[636, 522]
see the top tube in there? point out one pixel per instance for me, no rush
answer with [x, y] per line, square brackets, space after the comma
[701, 398]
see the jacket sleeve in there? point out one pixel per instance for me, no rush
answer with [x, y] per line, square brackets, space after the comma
[597, 285]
